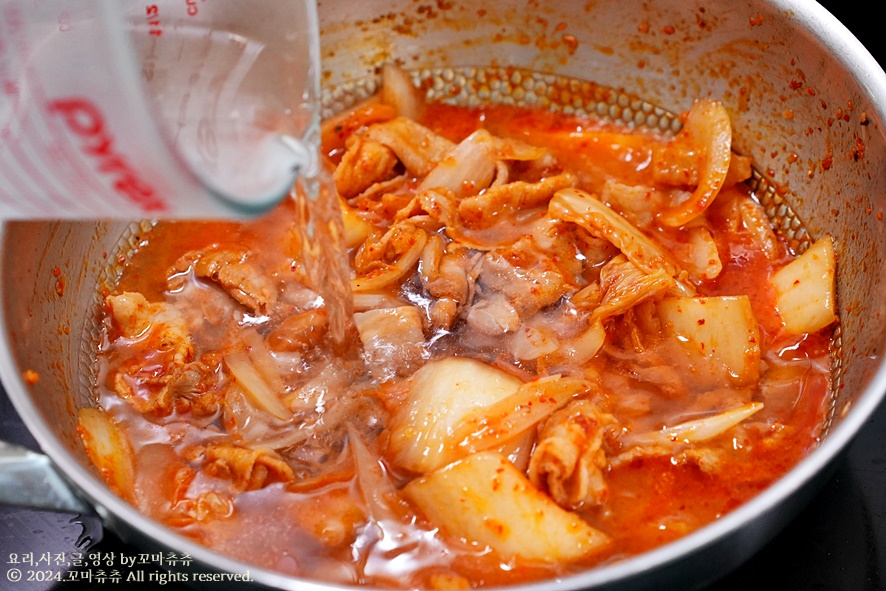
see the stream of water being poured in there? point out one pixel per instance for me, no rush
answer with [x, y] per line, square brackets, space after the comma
[321, 233]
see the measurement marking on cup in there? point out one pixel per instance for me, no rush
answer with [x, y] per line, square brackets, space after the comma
[193, 7]
[88, 199]
[38, 188]
[7, 198]
[20, 171]
[67, 160]
[86, 121]
[30, 142]
[152, 14]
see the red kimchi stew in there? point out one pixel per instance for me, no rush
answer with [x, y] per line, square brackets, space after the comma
[572, 342]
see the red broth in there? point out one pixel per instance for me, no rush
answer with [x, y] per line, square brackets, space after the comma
[287, 493]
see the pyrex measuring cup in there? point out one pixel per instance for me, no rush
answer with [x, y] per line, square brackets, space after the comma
[158, 108]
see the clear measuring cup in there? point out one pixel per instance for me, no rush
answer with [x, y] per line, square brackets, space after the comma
[155, 108]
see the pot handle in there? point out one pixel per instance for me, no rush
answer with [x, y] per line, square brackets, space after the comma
[29, 479]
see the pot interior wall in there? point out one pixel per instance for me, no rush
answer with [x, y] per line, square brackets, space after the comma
[53, 277]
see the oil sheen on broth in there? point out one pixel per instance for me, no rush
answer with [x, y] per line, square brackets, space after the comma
[572, 342]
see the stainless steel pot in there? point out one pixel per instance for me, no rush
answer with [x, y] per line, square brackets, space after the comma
[808, 104]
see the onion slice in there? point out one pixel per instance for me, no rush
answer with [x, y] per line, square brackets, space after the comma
[498, 423]
[399, 92]
[253, 383]
[109, 449]
[697, 430]
[709, 130]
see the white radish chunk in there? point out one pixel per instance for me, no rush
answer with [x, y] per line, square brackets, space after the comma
[424, 431]
[720, 332]
[484, 499]
[804, 289]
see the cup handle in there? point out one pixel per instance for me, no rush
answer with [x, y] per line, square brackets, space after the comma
[29, 479]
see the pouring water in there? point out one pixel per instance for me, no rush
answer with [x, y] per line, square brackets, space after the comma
[168, 109]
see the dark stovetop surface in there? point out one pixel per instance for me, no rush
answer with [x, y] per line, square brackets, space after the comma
[837, 543]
